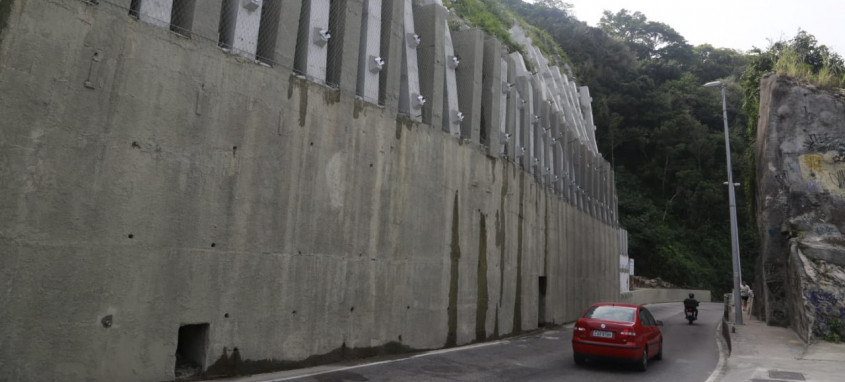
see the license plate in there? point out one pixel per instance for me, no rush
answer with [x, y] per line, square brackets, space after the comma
[602, 334]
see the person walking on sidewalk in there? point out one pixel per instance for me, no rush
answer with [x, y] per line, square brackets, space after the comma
[745, 292]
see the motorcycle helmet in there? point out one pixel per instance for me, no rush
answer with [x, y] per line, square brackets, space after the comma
[691, 295]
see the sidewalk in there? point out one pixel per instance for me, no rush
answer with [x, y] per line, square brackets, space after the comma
[763, 353]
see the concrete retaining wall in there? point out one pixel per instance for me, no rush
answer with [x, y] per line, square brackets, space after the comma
[152, 181]
[656, 296]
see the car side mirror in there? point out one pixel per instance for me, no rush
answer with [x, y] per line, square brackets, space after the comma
[659, 323]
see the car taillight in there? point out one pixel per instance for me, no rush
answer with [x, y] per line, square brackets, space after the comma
[627, 332]
[580, 329]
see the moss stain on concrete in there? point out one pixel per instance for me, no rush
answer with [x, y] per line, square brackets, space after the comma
[5, 12]
[455, 255]
[517, 305]
[481, 296]
[359, 107]
[403, 122]
[230, 363]
[546, 238]
[500, 243]
[302, 85]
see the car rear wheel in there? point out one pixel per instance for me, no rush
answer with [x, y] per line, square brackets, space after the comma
[579, 358]
[643, 364]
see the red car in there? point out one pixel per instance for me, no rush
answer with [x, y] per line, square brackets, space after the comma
[617, 331]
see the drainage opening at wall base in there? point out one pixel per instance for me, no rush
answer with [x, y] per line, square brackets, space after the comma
[191, 350]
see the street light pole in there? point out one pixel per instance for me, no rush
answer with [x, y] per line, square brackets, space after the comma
[732, 200]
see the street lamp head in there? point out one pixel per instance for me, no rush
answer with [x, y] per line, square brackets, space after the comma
[714, 84]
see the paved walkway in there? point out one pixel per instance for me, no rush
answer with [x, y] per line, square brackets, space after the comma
[763, 353]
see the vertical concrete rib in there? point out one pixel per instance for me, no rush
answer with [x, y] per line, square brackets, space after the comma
[342, 59]
[429, 21]
[502, 133]
[278, 23]
[603, 191]
[312, 40]
[511, 112]
[615, 201]
[493, 98]
[452, 115]
[469, 47]
[392, 51]
[156, 12]
[241, 28]
[411, 100]
[206, 20]
[586, 108]
[370, 61]
[588, 182]
[535, 128]
[594, 181]
[579, 174]
[548, 118]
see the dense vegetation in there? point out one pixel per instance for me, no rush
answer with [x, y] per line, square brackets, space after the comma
[663, 132]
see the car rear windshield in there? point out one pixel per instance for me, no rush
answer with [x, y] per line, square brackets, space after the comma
[611, 313]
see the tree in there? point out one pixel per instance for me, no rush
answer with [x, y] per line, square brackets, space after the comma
[557, 4]
[651, 40]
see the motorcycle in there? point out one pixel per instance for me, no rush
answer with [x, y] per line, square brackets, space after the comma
[690, 314]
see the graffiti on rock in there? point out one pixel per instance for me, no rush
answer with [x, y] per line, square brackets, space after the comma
[819, 142]
[823, 172]
[828, 307]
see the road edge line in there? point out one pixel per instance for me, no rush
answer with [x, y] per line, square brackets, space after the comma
[721, 366]
[424, 354]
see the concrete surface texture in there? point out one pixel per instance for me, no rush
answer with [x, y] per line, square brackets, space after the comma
[167, 203]
[801, 212]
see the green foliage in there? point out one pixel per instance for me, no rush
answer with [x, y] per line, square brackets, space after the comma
[489, 15]
[496, 18]
[649, 39]
[663, 133]
[801, 58]
[835, 332]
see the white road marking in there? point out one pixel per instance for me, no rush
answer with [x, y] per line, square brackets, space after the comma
[426, 354]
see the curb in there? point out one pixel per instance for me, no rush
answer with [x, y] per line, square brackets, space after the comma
[722, 366]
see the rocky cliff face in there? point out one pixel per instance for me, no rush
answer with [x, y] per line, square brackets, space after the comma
[801, 207]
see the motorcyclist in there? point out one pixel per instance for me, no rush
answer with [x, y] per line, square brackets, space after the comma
[691, 302]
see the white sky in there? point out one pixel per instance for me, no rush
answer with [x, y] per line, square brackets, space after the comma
[737, 24]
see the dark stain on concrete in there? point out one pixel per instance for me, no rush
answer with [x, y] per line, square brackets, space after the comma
[403, 121]
[500, 236]
[481, 295]
[292, 80]
[546, 238]
[331, 96]
[303, 104]
[302, 85]
[496, 324]
[359, 107]
[455, 255]
[5, 12]
[517, 305]
[231, 364]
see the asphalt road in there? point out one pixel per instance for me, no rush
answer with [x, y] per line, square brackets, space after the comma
[690, 354]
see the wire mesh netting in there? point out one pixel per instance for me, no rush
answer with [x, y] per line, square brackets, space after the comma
[248, 28]
[252, 29]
